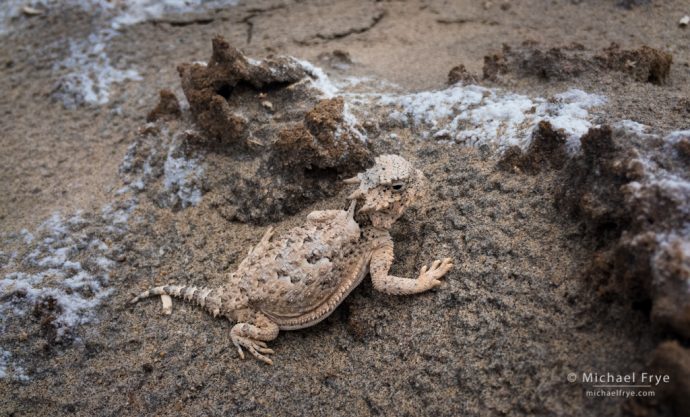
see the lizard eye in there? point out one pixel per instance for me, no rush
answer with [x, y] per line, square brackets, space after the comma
[398, 186]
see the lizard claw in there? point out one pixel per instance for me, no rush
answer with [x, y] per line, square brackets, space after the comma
[430, 277]
[256, 347]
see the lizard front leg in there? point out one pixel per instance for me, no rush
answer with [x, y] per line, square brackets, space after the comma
[251, 333]
[381, 261]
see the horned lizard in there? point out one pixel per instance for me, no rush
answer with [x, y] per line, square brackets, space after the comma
[299, 279]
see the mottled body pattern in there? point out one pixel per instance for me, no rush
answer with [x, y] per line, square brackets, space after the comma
[298, 279]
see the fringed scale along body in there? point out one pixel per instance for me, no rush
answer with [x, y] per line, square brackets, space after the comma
[205, 297]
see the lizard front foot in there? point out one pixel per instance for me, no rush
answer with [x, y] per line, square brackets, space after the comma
[255, 347]
[429, 277]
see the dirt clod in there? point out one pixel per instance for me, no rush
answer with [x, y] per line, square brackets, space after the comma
[672, 397]
[288, 144]
[460, 74]
[644, 64]
[633, 219]
[529, 60]
[210, 87]
[337, 59]
[546, 151]
[168, 106]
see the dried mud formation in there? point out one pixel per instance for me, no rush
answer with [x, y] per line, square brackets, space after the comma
[268, 113]
[644, 64]
[168, 106]
[547, 150]
[671, 359]
[273, 141]
[630, 192]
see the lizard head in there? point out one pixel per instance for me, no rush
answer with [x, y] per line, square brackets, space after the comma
[387, 189]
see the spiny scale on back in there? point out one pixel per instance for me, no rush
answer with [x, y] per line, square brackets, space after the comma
[289, 276]
[298, 279]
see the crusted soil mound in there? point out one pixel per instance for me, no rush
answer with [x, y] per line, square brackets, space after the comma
[168, 106]
[630, 191]
[671, 359]
[279, 141]
[644, 64]
[218, 90]
[546, 150]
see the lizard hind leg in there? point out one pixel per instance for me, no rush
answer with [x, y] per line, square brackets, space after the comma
[253, 337]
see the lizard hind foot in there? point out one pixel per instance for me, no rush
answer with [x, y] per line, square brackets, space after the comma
[256, 347]
[253, 337]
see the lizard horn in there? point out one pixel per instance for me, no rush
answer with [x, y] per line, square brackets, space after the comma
[368, 207]
[353, 180]
[358, 193]
[351, 210]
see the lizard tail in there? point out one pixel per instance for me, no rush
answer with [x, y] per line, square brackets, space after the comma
[205, 297]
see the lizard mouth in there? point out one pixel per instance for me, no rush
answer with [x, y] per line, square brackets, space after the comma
[378, 200]
[383, 219]
[370, 207]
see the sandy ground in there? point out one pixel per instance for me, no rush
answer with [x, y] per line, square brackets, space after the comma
[514, 318]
